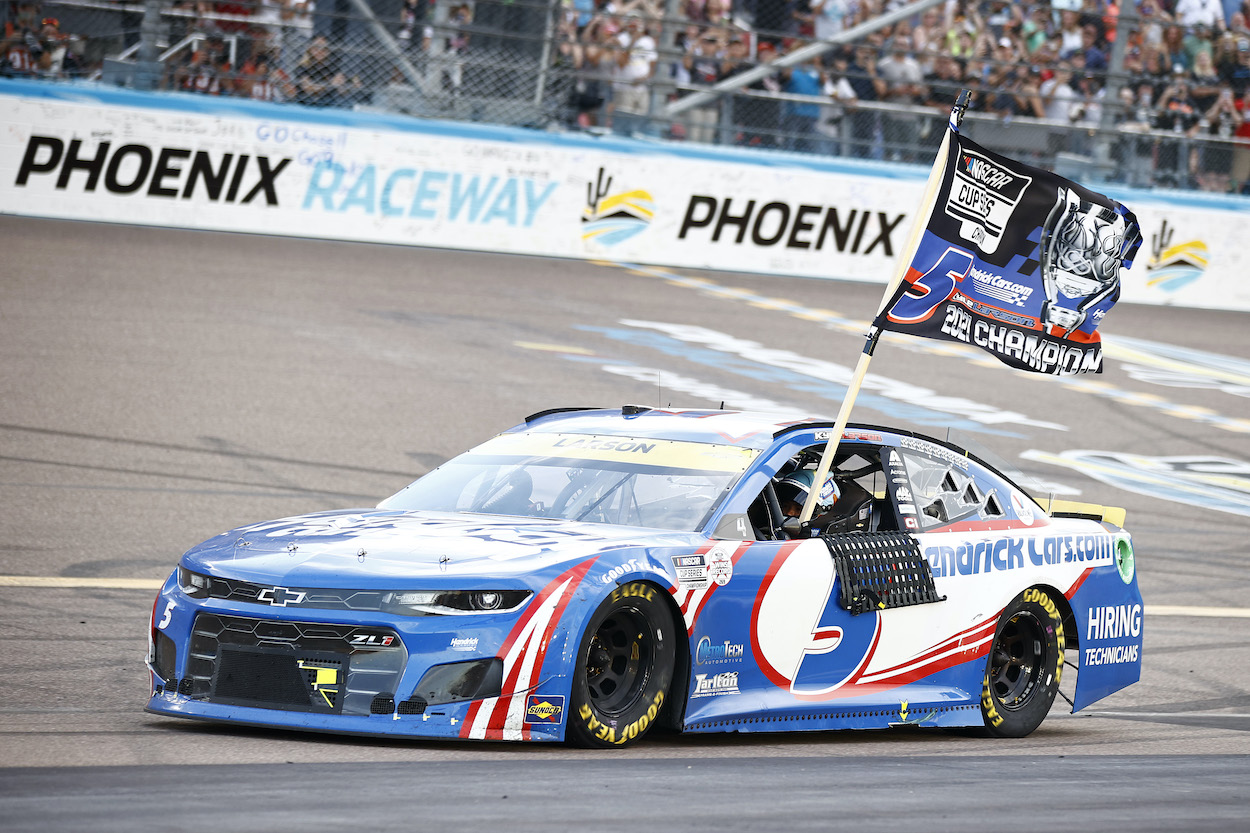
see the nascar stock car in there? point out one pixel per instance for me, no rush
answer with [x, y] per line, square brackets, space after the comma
[591, 574]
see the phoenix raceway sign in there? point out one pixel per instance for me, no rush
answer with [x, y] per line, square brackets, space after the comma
[194, 162]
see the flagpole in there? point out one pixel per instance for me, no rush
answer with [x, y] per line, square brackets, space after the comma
[904, 261]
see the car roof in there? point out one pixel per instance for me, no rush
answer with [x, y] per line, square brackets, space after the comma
[739, 428]
[745, 429]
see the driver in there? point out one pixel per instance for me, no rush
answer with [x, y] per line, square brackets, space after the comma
[793, 489]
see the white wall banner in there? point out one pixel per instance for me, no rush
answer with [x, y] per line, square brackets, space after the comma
[263, 169]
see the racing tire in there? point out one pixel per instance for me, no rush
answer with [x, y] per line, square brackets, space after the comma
[624, 667]
[1024, 667]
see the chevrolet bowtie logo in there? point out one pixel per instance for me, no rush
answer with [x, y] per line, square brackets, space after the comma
[280, 596]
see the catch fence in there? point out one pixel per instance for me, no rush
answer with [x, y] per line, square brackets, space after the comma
[555, 65]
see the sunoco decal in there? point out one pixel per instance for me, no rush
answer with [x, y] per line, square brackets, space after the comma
[544, 708]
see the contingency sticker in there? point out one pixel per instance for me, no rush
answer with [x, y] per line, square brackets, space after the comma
[700, 570]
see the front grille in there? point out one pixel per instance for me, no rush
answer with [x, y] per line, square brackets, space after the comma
[166, 657]
[295, 666]
[274, 596]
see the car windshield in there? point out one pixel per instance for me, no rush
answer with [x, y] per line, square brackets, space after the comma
[664, 484]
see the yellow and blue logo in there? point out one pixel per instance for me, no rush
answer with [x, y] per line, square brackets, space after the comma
[1172, 267]
[610, 218]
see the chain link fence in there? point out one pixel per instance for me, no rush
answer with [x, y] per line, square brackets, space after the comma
[592, 66]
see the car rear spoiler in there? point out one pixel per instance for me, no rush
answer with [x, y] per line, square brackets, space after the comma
[1072, 509]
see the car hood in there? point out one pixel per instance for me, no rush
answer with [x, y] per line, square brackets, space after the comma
[371, 548]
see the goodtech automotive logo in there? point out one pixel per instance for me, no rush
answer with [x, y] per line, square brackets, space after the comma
[611, 218]
[154, 171]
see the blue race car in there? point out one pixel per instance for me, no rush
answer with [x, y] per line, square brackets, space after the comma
[591, 574]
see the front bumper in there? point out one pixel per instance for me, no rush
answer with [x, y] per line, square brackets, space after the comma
[312, 670]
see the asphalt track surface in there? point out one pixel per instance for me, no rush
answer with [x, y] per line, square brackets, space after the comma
[158, 387]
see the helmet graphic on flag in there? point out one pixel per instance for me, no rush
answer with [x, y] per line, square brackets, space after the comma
[1083, 248]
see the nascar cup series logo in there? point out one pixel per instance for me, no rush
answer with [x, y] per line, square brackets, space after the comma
[982, 198]
[611, 218]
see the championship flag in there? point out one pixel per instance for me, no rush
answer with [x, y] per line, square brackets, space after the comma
[1008, 257]
[1015, 260]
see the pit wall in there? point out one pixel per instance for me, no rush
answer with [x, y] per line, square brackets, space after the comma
[195, 162]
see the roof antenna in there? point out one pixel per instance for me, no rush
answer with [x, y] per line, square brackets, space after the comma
[722, 404]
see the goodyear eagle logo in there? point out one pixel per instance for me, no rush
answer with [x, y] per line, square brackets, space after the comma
[610, 218]
[1172, 267]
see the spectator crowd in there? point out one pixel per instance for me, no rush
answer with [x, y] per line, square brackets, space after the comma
[614, 64]
[1186, 70]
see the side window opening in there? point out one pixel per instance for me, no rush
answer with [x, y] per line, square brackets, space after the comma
[946, 494]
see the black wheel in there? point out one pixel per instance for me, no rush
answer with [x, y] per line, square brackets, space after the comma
[1025, 664]
[624, 667]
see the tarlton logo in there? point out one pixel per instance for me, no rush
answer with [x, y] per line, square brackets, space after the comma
[709, 654]
[280, 596]
[610, 218]
[159, 172]
[706, 685]
[857, 231]
[544, 708]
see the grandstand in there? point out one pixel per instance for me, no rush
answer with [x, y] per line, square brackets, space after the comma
[1152, 96]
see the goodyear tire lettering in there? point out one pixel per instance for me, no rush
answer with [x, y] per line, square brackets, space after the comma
[1015, 700]
[616, 707]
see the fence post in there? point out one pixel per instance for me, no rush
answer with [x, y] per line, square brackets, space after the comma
[1107, 133]
[148, 68]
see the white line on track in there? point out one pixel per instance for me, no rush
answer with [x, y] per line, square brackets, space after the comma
[853, 326]
[94, 583]
[1202, 715]
[155, 584]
